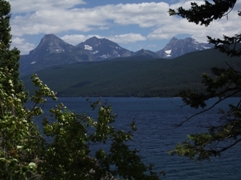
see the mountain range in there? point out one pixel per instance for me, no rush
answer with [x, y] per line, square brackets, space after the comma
[53, 51]
[133, 76]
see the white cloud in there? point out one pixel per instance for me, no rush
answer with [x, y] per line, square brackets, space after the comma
[26, 6]
[75, 39]
[48, 18]
[32, 17]
[142, 14]
[186, 4]
[54, 20]
[22, 45]
[176, 25]
[127, 38]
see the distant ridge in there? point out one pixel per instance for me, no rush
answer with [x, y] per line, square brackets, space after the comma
[53, 51]
[146, 53]
[133, 76]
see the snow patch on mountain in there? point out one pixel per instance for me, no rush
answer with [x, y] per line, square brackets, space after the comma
[87, 47]
[115, 47]
[105, 56]
[168, 53]
[205, 47]
[178, 47]
[95, 52]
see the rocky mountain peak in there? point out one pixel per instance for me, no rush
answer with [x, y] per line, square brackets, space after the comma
[103, 48]
[93, 41]
[50, 44]
[98, 42]
[49, 37]
[146, 53]
[177, 47]
[174, 39]
[50, 40]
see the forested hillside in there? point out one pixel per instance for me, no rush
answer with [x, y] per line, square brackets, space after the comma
[132, 76]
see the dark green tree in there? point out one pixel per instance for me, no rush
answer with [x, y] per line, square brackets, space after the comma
[9, 58]
[26, 154]
[225, 132]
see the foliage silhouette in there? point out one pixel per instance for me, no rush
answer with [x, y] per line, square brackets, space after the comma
[25, 153]
[225, 132]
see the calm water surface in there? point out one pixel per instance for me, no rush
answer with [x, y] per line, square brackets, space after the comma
[156, 134]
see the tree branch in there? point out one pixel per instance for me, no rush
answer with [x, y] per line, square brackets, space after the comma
[225, 148]
[205, 110]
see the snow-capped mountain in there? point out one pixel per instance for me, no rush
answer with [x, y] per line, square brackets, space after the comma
[177, 47]
[102, 49]
[49, 44]
[53, 51]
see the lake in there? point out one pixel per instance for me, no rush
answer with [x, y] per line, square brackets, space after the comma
[156, 119]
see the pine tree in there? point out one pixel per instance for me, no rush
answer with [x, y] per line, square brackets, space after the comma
[224, 84]
[9, 58]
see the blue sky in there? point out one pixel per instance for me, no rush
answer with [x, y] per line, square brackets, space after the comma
[132, 24]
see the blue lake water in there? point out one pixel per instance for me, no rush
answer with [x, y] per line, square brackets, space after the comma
[156, 134]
